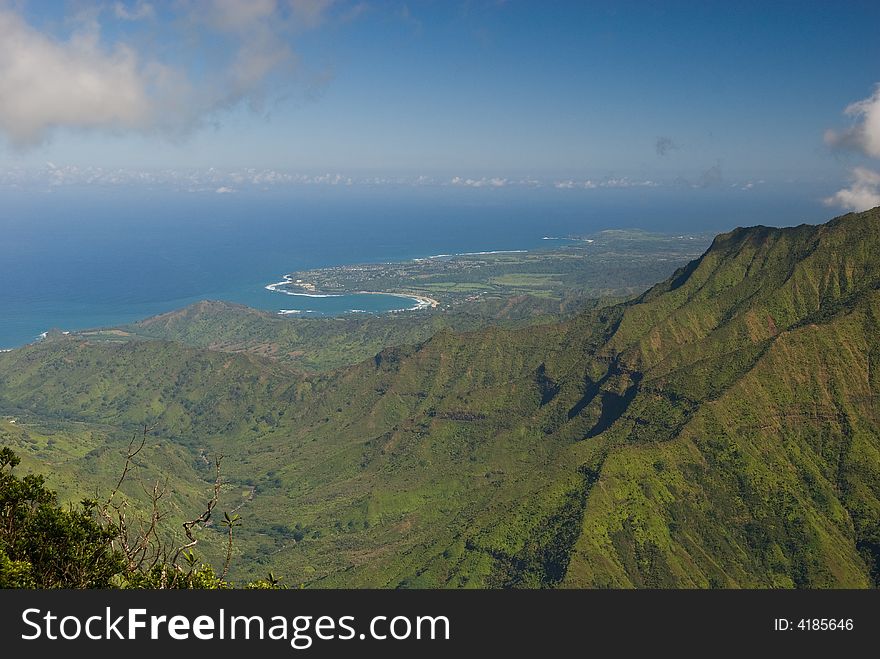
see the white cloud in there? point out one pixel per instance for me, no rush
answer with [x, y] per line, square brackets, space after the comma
[747, 185]
[312, 13]
[495, 182]
[96, 79]
[46, 83]
[138, 11]
[256, 31]
[862, 194]
[864, 135]
[626, 183]
[611, 182]
[235, 15]
[223, 180]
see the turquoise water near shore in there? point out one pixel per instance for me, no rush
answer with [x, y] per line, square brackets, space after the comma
[80, 259]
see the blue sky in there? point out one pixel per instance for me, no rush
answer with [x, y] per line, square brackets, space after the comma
[482, 93]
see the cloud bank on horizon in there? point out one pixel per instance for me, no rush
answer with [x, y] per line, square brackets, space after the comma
[224, 181]
[862, 136]
[100, 76]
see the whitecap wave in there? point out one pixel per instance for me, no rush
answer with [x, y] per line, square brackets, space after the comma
[420, 302]
[275, 288]
[310, 294]
[494, 251]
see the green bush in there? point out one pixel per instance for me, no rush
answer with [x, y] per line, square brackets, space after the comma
[44, 545]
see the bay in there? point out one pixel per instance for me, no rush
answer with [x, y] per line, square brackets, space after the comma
[83, 258]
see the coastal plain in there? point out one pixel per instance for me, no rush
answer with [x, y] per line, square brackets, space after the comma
[610, 263]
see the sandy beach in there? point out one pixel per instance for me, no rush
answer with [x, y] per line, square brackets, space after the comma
[422, 301]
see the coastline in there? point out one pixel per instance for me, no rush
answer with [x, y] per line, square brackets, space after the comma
[493, 251]
[422, 301]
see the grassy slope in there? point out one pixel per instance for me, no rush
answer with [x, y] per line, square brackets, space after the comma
[318, 344]
[772, 476]
[719, 431]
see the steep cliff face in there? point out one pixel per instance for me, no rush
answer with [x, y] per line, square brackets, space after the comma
[748, 456]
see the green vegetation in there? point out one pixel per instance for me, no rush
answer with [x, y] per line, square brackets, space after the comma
[321, 344]
[45, 545]
[606, 264]
[720, 430]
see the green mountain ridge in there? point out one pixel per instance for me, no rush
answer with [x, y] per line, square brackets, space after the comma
[321, 344]
[720, 430]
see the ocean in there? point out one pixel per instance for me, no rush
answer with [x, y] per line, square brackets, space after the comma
[83, 258]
